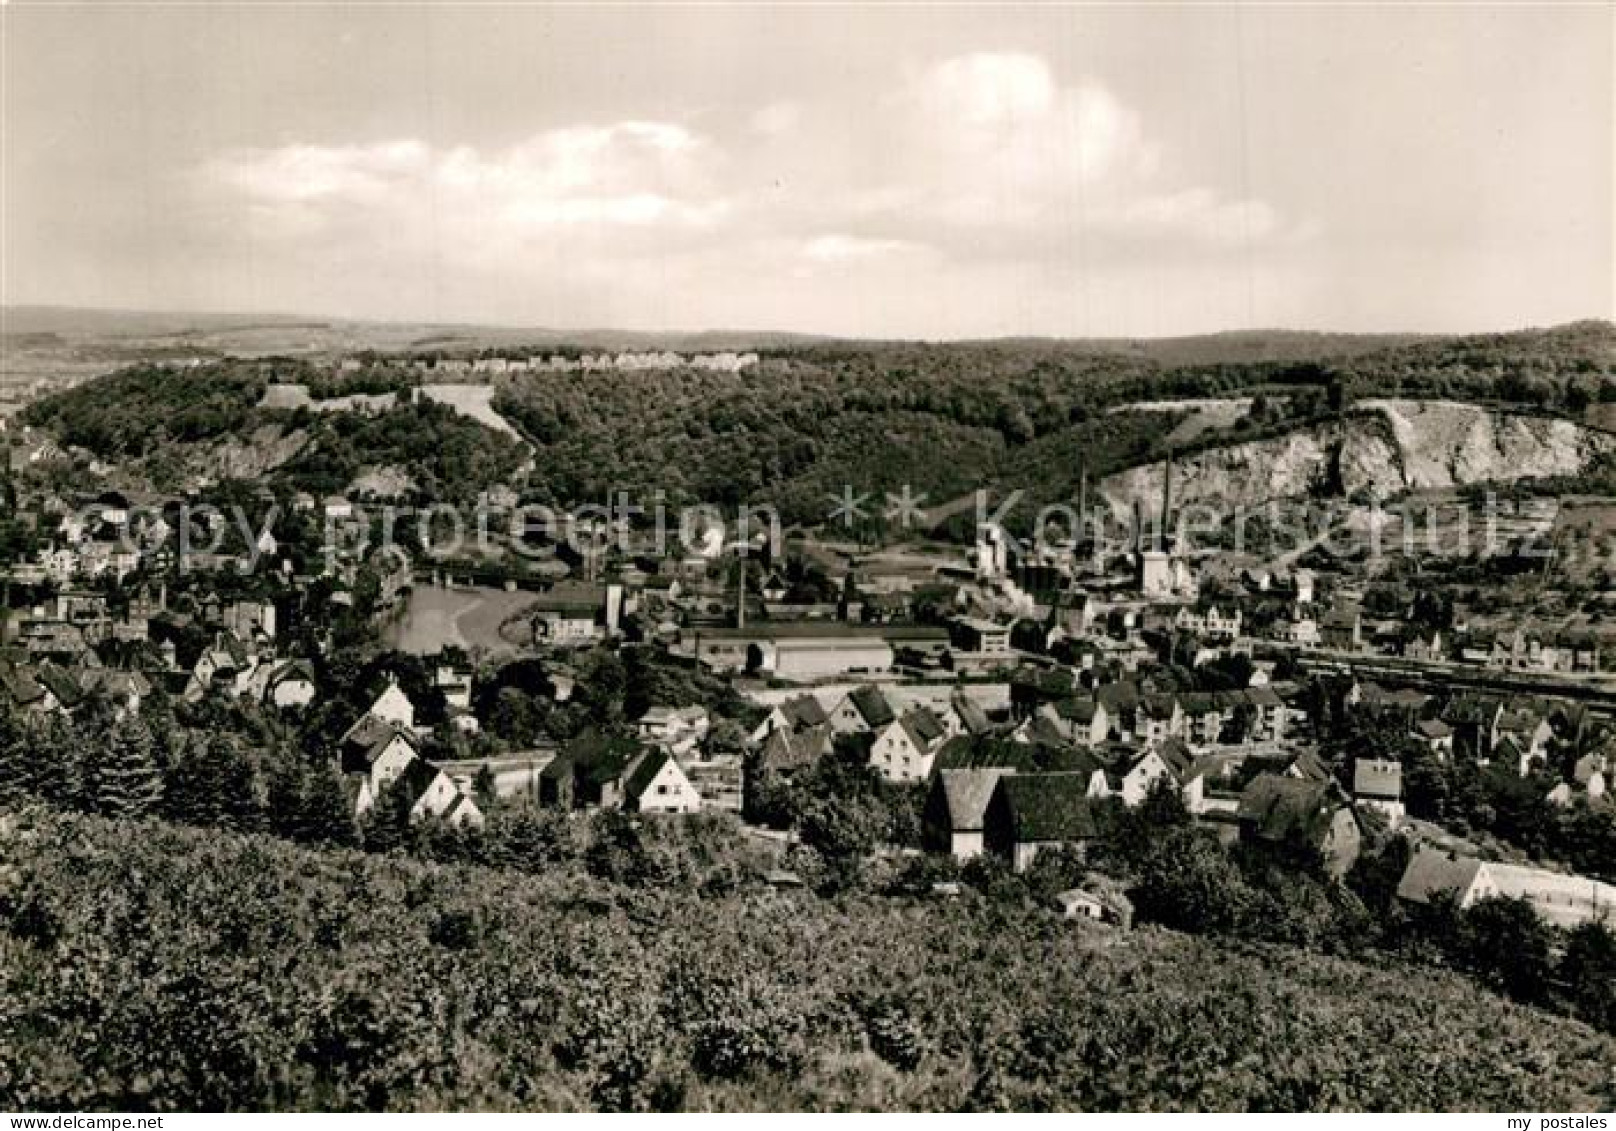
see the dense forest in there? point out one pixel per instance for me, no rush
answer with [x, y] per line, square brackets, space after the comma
[145, 966]
[811, 417]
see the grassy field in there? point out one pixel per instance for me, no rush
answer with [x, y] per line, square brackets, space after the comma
[435, 618]
[150, 967]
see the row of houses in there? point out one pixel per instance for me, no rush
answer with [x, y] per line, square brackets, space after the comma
[1017, 814]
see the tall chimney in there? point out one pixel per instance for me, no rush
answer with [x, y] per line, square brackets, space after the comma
[1083, 502]
[1167, 502]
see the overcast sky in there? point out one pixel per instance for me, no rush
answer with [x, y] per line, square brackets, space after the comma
[883, 172]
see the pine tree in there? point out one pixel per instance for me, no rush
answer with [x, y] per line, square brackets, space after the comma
[240, 806]
[56, 762]
[286, 792]
[127, 782]
[15, 778]
[191, 788]
[327, 812]
[386, 824]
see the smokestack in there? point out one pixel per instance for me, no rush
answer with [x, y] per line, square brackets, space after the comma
[1083, 501]
[740, 607]
[1167, 501]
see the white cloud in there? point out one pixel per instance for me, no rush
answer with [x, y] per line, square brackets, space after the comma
[974, 175]
[835, 247]
[992, 146]
[628, 174]
[777, 118]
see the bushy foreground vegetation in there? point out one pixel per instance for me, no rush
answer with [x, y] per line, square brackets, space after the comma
[147, 966]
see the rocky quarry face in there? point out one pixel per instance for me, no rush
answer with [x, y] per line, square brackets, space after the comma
[1386, 446]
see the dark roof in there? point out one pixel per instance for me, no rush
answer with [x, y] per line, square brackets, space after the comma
[1282, 809]
[19, 683]
[924, 727]
[784, 751]
[1309, 767]
[570, 598]
[1158, 706]
[804, 711]
[1519, 722]
[872, 706]
[1047, 807]
[644, 771]
[416, 779]
[1119, 696]
[59, 683]
[826, 630]
[382, 740]
[1178, 758]
[965, 752]
[971, 714]
[365, 733]
[1040, 730]
[1077, 709]
[1263, 697]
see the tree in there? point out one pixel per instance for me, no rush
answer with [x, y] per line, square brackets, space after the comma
[125, 776]
[485, 790]
[1506, 945]
[1189, 883]
[191, 792]
[326, 811]
[1588, 970]
[15, 768]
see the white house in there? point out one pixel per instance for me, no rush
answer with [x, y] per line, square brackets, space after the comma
[656, 784]
[905, 748]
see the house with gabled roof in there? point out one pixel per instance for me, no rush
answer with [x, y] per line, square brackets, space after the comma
[289, 683]
[1033, 813]
[590, 772]
[861, 711]
[431, 793]
[785, 752]
[1297, 815]
[956, 809]
[21, 686]
[65, 690]
[903, 749]
[1204, 716]
[1377, 783]
[1560, 899]
[1528, 732]
[1435, 735]
[966, 715]
[1307, 766]
[1158, 718]
[656, 783]
[1079, 718]
[801, 712]
[375, 759]
[1271, 715]
[677, 729]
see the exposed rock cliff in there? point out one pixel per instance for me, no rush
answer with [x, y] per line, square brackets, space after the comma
[1387, 446]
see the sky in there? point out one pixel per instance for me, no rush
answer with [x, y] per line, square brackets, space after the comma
[914, 171]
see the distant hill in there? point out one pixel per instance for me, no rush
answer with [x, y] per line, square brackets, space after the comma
[260, 334]
[815, 416]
